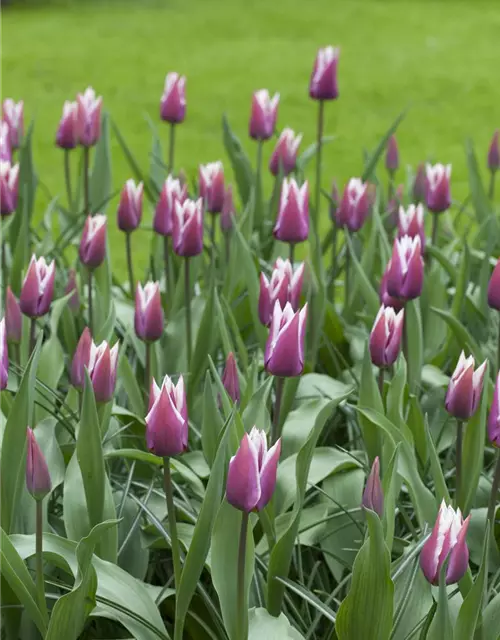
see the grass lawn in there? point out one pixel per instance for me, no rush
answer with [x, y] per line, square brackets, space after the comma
[441, 58]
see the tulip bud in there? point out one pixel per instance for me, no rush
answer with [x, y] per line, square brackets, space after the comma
[226, 219]
[81, 359]
[13, 318]
[420, 184]
[438, 187]
[411, 223]
[172, 190]
[465, 388]
[102, 364]
[173, 100]
[284, 286]
[284, 156]
[292, 224]
[373, 498]
[494, 153]
[13, 115]
[89, 117]
[4, 356]
[385, 338]
[446, 543]
[38, 288]
[130, 207]
[284, 354]
[405, 275]
[335, 201]
[251, 478]
[494, 416]
[167, 419]
[72, 287]
[5, 150]
[386, 299]
[67, 132]
[394, 204]
[494, 288]
[211, 186]
[392, 155]
[149, 318]
[93, 243]
[38, 480]
[264, 115]
[187, 228]
[323, 84]
[355, 205]
[230, 379]
[9, 187]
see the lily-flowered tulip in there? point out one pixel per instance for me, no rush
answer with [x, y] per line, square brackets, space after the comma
[13, 115]
[355, 205]
[446, 543]
[72, 287]
[102, 365]
[292, 224]
[386, 299]
[211, 186]
[251, 478]
[13, 318]
[438, 187]
[167, 419]
[5, 149]
[465, 388]
[373, 498]
[494, 288]
[9, 187]
[4, 356]
[385, 338]
[284, 354]
[227, 214]
[230, 378]
[284, 286]
[494, 416]
[411, 223]
[93, 242]
[89, 117]
[323, 84]
[38, 480]
[392, 155]
[187, 228]
[67, 131]
[173, 100]
[264, 115]
[284, 156]
[406, 269]
[130, 207]
[148, 319]
[38, 288]
[81, 359]
[494, 153]
[171, 192]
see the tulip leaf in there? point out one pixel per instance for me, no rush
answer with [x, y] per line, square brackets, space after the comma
[262, 625]
[206, 340]
[21, 254]
[308, 154]
[212, 421]
[441, 626]
[440, 487]
[463, 336]
[380, 148]
[491, 619]
[362, 280]
[369, 396]
[415, 346]
[256, 413]
[130, 383]
[100, 178]
[242, 168]
[480, 201]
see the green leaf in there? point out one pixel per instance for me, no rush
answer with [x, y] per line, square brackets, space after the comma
[391, 486]
[413, 328]
[256, 413]
[212, 421]
[132, 162]
[100, 179]
[416, 422]
[308, 154]
[21, 255]
[363, 282]
[242, 168]
[491, 619]
[369, 396]
[441, 627]
[440, 487]
[130, 383]
[379, 150]
[480, 201]
[262, 625]
[206, 339]
[462, 335]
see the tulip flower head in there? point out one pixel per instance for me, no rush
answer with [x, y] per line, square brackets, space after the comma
[173, 100]
[494, 153]
[392, 155]
[38, 288]
[494, 288]
[230, 378]
[5, 148]
[323, 84]
[72, 287]
[438, 187]
[102, 365]
[13, 115]
[264, 115]
[148, 320]
[385, 338]
[406, 269]
[411, 223]
[9, 187]
[284, 354]
[187, 228]
[385, 299]
[465, 388]
[89, 117]
[447, 542]
[373, 498]
[292, 224]
[67, 132]
[227, 214]
[38, 480]
[171, 192]
[355, 205]
[167, 419]
[284, 286]
[4, 356]
[494, 416]
[284, 156]
[211, 186]
[251, 478]
[93, 243]
[130, 207]
[13, 318]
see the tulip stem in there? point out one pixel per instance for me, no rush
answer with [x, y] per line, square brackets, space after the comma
[491, 190]
[227, 239]
[381, 376]
[347, 269]
[434, 237]
[258, 170]
[242, 613]
[147, 367]
[128, 248]
[67, 178]
[171, 147]
[86, 194]
[40, 584]
[275, 431]
[168, 280]
[32, 335]
[187, 297]
[91, 321]
[494, 492]
[212, 237]
[334, 264]
[292, 253]
[172, 524]
[458, 462]
[319, 149]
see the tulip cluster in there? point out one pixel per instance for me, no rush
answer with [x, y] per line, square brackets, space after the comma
[172, 192]
[80, 123]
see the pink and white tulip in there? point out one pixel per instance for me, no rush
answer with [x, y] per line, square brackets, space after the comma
[227, 213]
[465, 388]
[494, 153]
[284, 156]
[67, 131]
[89, 117]
[373, 497]
[9, 187]
[173, 100]
[211, 186]
[438, 187]
[171, 192]
[187, 228]
[385, 337]
[167, 419]
[5, 148]
[130, 208]
[292, 224]
[406, 269]
[411, 223]
[323, 84]
[149, 318]
[92, 249]
[355, 205]
[230, 378]
[284, 355]
[285, 285]
[263, 115]
[13, 318]
[38, 288]
[38, 480]
[13, 115]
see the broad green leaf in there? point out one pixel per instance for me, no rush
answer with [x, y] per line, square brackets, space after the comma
[391, 486]
[440, 486]
[363, 282]
[413, 329]
[465, 339]
[130, 383]
[21, 254]
[369, 396]
[212, 421]
[256, 413]
[205, 342]
[441, 627]
[416, 422]
[100, 178]
[262, 625]
[491, 619]
[242, 168]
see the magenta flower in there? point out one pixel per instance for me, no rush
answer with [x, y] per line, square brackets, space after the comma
[67, 131]
[438, 187]
[93, 242]
[13, 318]
[89, 117]
[355, 205]
[102, 365]
[465, 388]
[264, 115]
[5, 149]
[420, 184]
[323, 84]
[494, 153]
[9, 187]
[230, 378]
[385, 337]
[148, 319]
[167, 419]
[494, 288]
[373, 498]
[173, 100]
[284, 286]
[251, 478]
[385, 299]
[411, 223]
[38, 480]
[284, 156]
[13, 115]
[494, 416]
[81, 359]
[4, 356]
[227, 214]
[405, 275]
[72, 287]
[292, 224]
[392, 155]
[187, 228]
[38, 288]
[211, 186]
[284, 354]
[130, 207]
[171, 192]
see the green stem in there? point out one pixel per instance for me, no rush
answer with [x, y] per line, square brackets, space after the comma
[275, 432]
[292, 253]
[212, 237]
[187, 299]
[147, 368]
[168, 282]
[67, 178]
[458, 462]
[494, 492]
[86, 190]
[381, 382]
[347, 269]
[171, 148]
[227, 242]
[40, 584]
[258, 169]
[91, 319]
[334, 264]
[319, 149]
[128, 248]
[242, 613]
[491, 190]
[434, 236]
[32, 335]
[172, 524]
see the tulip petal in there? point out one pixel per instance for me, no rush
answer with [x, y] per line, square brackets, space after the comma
[243, 482]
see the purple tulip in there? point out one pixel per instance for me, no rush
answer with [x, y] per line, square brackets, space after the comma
[264, 115]
[171, 192]
[5, 150]
[13, 318]
[284, 286]
[9, 187]
[420, 184]
[102, 365]
[230, 378]
[323, 84]
[4, 356]
[385, 338]
[251, 478]
[227, 214]
[386, 299]
[38, 480]
[81, 359]
[494, 153]
[373, 498]
[173, 100]
[187, 228]
[211, 186]
[411, 223]
[67, 132]
[38, 288]
[13, 115]
[93, 243]
[72, 287]
[130, 207]
[438, 187]
[392, 155]
[89, 117]
[167, 419]
[148, 320]
[284, 156]
[494, 288]
[446, 543]
[406, 269]
[355, 205]
[292, 224]
[465, 388]
[284, 354]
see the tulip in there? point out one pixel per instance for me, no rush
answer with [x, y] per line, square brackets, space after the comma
[394, 205]
[72, 287]
[227, 214]
[67, 132]
[102, 365]
[13, 318]
[172, 191]
[130, 207]
[251, 478]
[284, 156]
[81, 359]
[406, 269]
[355, 205]
[446, 543]
[385, 338]
[386, 299]
[13, 115]
[88, 117]
[373, 498]
[494, 288]
[4, 356]
[284, 354]
[38, 288]
[38, 480]
[420, 184]
[264, 114]
[230, 378]
[187, 228]
[5, 150]
[93, 242]
[292, 224]
[411, 223]
[284, 286]
[465, 388]
[392, 155]
[494, 153]
[438, 187]
[148, 319]
[323, 84]
[173, 100]
[494, 416]
[9, 187]
[211, 186]
[167, 419]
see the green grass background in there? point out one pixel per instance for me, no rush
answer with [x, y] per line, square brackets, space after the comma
[441, 58]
